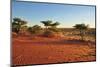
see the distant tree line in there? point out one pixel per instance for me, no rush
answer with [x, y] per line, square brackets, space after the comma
[50, 26]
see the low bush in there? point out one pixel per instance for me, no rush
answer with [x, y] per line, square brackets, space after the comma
[52, 34]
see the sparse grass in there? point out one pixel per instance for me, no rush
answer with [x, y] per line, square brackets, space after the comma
[42, 50]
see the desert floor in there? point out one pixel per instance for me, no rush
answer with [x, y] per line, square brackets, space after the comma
[42, 50]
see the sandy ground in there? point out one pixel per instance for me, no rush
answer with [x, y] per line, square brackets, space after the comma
[39, 50]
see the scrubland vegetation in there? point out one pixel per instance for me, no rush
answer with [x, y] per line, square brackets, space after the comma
[38, 45]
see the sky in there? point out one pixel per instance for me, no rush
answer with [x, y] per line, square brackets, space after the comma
[67, 15]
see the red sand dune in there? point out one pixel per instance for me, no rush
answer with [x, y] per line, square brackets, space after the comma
[40, 50]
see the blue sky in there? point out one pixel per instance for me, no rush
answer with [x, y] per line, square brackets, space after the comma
[66, 15]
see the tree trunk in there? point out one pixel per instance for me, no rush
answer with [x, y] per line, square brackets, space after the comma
[46, 28]
[81, 35]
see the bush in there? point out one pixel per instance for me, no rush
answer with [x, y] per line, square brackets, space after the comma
[54, 29]
[35, 30]
[52, 34]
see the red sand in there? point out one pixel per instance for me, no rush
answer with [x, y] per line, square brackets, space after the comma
[39, 50]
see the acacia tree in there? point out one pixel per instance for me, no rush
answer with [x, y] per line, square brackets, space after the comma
[54, 26]
[51, 28]
[47, 24]
[50, 25]
[17, 24]
[82, 29]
